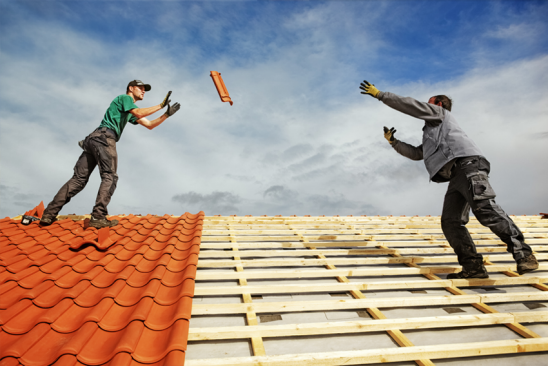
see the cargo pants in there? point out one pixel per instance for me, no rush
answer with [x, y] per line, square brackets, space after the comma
[99, 150]
[469, 188]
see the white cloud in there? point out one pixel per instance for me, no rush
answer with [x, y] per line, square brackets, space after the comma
[300, 138]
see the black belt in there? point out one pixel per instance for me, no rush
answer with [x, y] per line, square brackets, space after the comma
[109, 132]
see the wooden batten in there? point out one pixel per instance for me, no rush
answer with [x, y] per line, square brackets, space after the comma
[352, 256]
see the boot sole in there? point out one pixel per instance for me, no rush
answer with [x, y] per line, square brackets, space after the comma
[98, 226]
[42, 223]
[465, 278]
[527, 270]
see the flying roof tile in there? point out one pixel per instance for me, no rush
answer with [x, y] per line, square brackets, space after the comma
[72, 296]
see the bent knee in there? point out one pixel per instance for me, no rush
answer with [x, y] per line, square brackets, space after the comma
[79, 180]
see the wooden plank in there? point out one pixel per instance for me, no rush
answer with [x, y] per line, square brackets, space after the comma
[385, 355]
[343, 304]
[365, 231]
[344, 327]
[325, 305]
[477, 227]
[364, 286]
[218, 263]
[409, 241]
[286, 274]
[243, 238]
[256, 342]
[349, 252]
[372, 244]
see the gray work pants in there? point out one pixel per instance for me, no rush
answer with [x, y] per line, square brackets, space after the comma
[99, 149]
[469, 188]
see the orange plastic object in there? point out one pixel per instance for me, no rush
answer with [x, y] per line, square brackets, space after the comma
[38, 211]
[128, 304]
[221, 88]
[102, 242]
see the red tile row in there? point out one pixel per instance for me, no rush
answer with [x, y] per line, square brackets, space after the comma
[92, 345]
[126, 304]
[66, 276]
[47, 294]
[121, 359]
[67, 316]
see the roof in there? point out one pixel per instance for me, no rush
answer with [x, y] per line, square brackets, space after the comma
[68, 296]
[269, 290]
[360, 290]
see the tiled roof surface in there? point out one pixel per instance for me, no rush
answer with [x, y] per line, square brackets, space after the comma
[128, 304]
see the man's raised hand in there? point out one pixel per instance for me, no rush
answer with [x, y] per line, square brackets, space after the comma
[166, 100]
[171, 110]
[389, 134]
[369, 88]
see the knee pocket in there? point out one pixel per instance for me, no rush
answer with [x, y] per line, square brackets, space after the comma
[113, 186]
[480, 187]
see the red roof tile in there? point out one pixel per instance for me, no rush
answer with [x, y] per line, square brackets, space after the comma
[72, 296]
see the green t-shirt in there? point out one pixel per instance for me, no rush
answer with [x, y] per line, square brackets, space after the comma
[117, 115]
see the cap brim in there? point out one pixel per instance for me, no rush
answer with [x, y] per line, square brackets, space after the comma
[147, 87]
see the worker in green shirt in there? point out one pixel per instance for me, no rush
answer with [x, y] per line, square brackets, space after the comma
[100, 150]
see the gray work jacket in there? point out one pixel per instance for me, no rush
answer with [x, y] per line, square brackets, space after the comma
[442, 140]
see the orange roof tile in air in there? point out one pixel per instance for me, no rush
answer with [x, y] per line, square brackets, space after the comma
[220, 85]
[128, 304]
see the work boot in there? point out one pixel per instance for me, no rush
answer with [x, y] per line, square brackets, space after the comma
[479, 272]
[47, 220]
[102, 222]
[527, 264]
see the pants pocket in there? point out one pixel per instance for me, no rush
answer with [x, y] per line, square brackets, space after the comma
[100, 138]
[480, 187]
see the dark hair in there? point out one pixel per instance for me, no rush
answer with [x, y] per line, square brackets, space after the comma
[445, 101]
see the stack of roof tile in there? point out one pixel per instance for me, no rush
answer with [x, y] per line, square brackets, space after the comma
[128, 304]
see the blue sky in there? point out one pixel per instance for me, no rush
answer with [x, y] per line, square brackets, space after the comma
[300, 138]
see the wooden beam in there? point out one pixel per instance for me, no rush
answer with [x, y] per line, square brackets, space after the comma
[408, 240]
[351, 252]
[286, 274]
[219, 263]
[363, 286]
[384, 355]
[256, 342]
[343, 304]
[343, 327]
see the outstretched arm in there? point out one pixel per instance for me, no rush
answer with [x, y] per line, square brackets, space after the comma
[152, 124]
[145, 112]
[427, 112]
[141, 113]
[171, 110]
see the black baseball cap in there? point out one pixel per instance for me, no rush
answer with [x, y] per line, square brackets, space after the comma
[137, 83]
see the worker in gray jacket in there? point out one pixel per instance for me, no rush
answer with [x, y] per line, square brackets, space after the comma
[451, 156]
